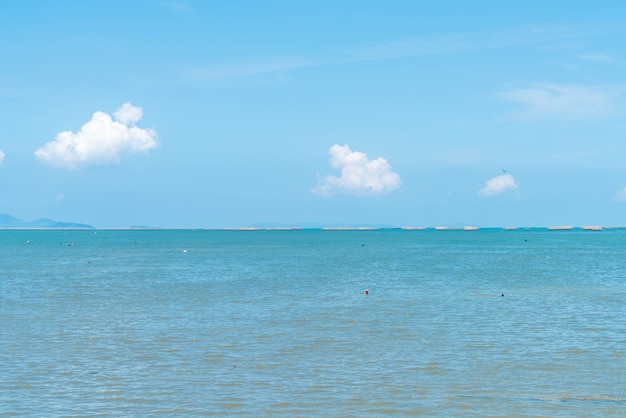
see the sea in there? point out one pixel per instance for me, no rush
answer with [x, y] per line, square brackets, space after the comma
[312, 323]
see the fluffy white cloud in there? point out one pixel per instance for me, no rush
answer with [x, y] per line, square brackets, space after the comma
[102, 140]
[621, 195]
[497, 185]
[563, 101]
[1, 157]
[359, 176]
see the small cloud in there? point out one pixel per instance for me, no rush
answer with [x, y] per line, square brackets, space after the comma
[563, 101]
[2, 155]
[359, 176]
[498, 185]
[128, 114]
[100, 141]
[620, 196]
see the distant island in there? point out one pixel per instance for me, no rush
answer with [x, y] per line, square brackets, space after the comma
[10, 222]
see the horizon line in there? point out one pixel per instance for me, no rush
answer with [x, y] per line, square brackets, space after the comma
[438, 228]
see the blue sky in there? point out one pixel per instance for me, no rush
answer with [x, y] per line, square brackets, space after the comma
[201, 114]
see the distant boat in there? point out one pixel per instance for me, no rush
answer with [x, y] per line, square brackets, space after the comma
[350, 228]
[560, 228]
[591, 228]
[470, 228]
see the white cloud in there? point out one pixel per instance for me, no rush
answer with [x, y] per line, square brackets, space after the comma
[620, 195]
[359, 176]
[102, 140]
[128, 114]
[1, 157]
[563, 101]
[497, 185]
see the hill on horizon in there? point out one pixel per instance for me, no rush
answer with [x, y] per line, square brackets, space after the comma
[11, 222]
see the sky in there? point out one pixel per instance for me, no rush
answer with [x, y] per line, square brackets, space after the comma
[227, 114]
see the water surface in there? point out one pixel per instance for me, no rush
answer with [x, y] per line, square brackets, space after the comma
[456, 323]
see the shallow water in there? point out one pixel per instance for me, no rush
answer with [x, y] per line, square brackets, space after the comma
[276, 323]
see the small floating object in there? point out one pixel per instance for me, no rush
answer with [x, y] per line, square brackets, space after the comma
[184, 251]
[560, 228]
[366, 292]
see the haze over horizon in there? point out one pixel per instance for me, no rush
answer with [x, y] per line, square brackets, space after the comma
[196, 114]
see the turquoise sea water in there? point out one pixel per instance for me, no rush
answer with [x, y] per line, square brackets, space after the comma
[195, 322]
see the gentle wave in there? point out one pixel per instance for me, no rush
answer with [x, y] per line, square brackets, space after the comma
[277, 323]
